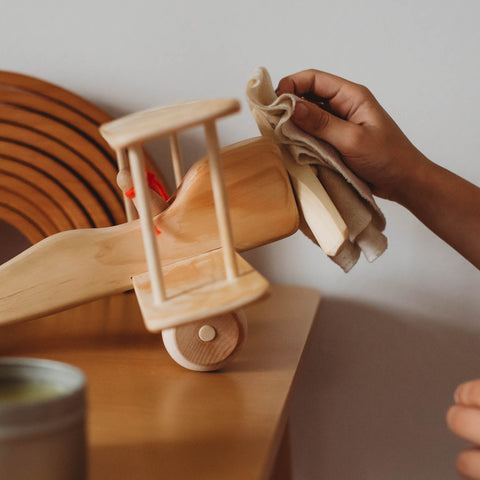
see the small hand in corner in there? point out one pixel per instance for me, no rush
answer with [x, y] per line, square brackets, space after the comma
[464, 420]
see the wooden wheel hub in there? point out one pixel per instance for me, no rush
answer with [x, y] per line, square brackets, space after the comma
[207, 333]
[207, 342]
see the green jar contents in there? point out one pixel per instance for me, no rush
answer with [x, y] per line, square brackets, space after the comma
[24, 391]
[42, 420]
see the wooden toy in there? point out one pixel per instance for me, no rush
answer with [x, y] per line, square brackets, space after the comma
[189, 280]
[189, 269]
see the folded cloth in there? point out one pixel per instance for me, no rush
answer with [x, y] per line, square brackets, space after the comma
[351, 196]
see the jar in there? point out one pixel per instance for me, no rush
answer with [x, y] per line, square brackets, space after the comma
[42, 420]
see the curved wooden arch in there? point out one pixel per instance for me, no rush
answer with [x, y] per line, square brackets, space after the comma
[63, 134]
[45, 202]
[71, 204]
[13, 80]
[30, 210]
[22, 223]
[54, 164]
[58, 113]
[62, 175]
[99, 191]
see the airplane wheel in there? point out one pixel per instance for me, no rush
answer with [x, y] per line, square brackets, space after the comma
[206, 345]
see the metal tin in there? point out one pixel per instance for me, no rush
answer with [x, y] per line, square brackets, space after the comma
[42, 420]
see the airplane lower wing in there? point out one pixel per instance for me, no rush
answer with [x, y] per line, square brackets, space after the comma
[197, 288]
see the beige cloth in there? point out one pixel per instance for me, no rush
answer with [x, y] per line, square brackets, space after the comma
[351, 195]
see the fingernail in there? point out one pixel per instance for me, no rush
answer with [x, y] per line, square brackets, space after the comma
[456, 395]
[301, 111]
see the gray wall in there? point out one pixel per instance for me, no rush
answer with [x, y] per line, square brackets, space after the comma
[393, 337]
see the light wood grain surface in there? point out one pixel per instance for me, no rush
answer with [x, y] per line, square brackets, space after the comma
[157, 122]
[102, 261]
[150, 418]
[320, 214]
[198, 289]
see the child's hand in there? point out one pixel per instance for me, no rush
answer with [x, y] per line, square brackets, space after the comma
[464, 420]
[370, 142]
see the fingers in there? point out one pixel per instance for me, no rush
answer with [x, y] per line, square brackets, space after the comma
[344, 97]
[464, 418]
[465, 422]
[321, 124]
[468, 463]
[468, 394]
[322, 84]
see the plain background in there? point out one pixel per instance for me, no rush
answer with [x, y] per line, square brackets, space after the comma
[393, 338]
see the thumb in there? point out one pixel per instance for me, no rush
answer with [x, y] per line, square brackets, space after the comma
[320, 123]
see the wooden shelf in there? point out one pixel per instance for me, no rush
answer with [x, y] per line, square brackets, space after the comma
[151, 419]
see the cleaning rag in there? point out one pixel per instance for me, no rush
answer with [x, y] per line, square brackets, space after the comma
[351, 196]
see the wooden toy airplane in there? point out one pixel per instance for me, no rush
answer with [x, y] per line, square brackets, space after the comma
[189, 280]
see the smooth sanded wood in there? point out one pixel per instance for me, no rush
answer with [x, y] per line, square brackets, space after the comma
[29, 209]
[320, 213]
[68, 168]
[62, 133]
[225, 293]
[189, 346]
[123, 169]
[198, 288]
[81, 265]
[157, 122]
[176, 158]
[221, 202]
[58, 113]
[151, 419]
[61, 145]
[67, 149]
[318, 210]
[30, 230]
[44, 183]
[56, 211]
[150, 246]
[49, 140]
[25, 83]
